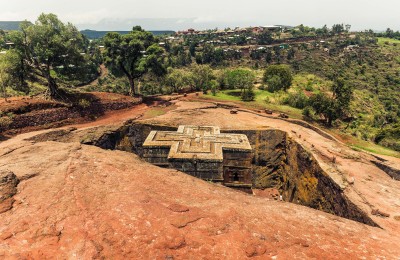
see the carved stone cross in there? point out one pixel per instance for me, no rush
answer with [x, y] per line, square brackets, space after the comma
[203, 143]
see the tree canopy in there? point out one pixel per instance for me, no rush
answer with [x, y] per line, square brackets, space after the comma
[178, 79]
[5, 74]
[202, 76]
[242, 79]
[49, 44]
[335, 106]
[133, 55]
[278, 77]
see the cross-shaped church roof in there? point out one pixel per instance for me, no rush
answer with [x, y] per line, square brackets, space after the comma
[197, 142]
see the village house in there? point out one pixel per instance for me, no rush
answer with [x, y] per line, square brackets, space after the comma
[257, 30]
[272, 28]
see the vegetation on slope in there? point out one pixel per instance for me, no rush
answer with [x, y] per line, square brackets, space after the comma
[349, 81]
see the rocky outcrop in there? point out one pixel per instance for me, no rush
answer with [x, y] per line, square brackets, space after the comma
[91, 203]
[282, 163]
[392, 172]
[8, 188]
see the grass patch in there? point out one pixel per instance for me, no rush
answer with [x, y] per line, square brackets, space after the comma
[154, 112]
[374, 148]
[382, 41]
[261, 96]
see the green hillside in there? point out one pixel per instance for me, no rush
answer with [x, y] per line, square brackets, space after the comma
[10, 25]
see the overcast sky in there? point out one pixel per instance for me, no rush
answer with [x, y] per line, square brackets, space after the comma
[181, 14]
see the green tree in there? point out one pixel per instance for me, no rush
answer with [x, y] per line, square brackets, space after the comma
[274, 83]
[192, 48]
[325, 106]
[324, 31]
[242, 79]
[268, 56]
[389, 33]
[278, 77]
[2, 38]
[155, 61]
[342, 94]
[49, 44]
[335, 106]
[132, 54]
[265, 38]
[291, 53]
[178, 79]
[202, 76]
[277, 51]
[17, 70]
[338, 28]
[5, 75]
[214, 87]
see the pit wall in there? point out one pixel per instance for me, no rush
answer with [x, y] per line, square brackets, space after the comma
[278, 162]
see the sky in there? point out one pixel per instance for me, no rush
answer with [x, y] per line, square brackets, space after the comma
[207, 14]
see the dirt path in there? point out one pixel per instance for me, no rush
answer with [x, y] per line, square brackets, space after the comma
[116, 117]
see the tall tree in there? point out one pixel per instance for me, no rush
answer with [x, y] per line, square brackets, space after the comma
[342, 94]
[132, 54]
[49, 44]
[335, 106]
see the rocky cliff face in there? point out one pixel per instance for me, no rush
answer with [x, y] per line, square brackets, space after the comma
[281, 163]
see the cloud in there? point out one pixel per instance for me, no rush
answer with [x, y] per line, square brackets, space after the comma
[105, 14]
[89, 17]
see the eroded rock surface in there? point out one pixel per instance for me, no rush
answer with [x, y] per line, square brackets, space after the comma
[87, 202]
[8, 188]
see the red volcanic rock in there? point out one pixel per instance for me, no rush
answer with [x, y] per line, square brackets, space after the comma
[8, 188]
[270, 193]
[178, 208]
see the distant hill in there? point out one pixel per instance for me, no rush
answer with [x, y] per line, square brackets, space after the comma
[92, 34]
[10, 25]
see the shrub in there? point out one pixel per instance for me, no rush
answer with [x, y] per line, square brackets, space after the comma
[149, 88]
[214, 87]
[309, 86]
[5, 122]
[84, 103]
[308, 112]
[248, 94]
[297, 100]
